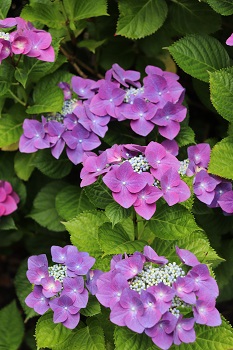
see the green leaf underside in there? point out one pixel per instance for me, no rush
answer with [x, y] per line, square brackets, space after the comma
[84, 231]
[86, 338]
[221, 161]
[199, 54]
[188, 16]
[11, 327]
[50, 334]
[10, 129]
[172, 223]
[4, 8]
[44, 211]
[224, 7]
[140, 18]
[23, 289]
[221, 92]
[70, 201]
[23, 165]
[116, 241]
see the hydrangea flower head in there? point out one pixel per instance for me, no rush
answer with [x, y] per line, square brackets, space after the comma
[61, 286]
[8, 199]
[146, 293]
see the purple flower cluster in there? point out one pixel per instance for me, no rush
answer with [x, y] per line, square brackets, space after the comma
[138, 176]
[148, 294]
[119, 96]
[8, 199]
[25, 40]
[61, 286]
[209, 189]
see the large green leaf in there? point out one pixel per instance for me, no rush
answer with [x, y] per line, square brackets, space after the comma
[10, 129]
[47, 100]
[23, 165]
[70, 201]
[172, 222]
[86, 338]
[4, 8]
[6, 76]
[92, 308]
[198, 55]
[116, 240]
[23, 289]
[221, 92]
[50, 14]
[186, 136]
[99, 194]
[81, 9]
[125, 339]
[50, 166]
[224, 7]
[116, 213]
[221, 161]
[44, 211]
[84, 231]
[189, 17]
[11, 327]
[140, 18]
[50, 334]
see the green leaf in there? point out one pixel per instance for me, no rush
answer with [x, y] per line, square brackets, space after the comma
[99, 194]
[23, 289]
[125, 339]
[50, 334]
[44, 211]
[4, 8]
[172, 222]
[82, 9]
[23, 165]
[92, 308]
[186, 136]
[10, 129]
[91, 45]
[188, 17]
[140, 18]
[11, 327]
[71, 201]
[50, 14]
[6, 77]
[221, 160]
[84, 231]
[192, 54]
[116, 241]
[87, 338]
[224, 7]
[48, 100]
[116, 213]
[7, 223]
[216, 338]
[221, 92]
[50, 166]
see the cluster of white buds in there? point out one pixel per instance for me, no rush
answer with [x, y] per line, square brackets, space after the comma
[139, 163]
[183, 166]
[132, 91]
[69, 106]
[152, 276]
[58, 271]
[5, 36]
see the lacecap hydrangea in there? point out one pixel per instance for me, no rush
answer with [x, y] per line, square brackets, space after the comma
[61, 286]
[146, 293]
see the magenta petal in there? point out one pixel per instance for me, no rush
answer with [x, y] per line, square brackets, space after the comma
[72, 321]
[187, 257]
[124, 198]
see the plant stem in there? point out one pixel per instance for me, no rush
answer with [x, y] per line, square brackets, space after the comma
[135, 225]
[17, 99]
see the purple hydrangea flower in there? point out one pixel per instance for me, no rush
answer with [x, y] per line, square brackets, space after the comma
[230, 40]
[8, 199]
[82, 87]
[206, 313]
[93, 166]
[34, 137]
[220, 189]
[204, 186]
[187, 257]
[199, 157]
[61, 286]
[184, 331]
[125, 77]
[226, 202]
[145, 203]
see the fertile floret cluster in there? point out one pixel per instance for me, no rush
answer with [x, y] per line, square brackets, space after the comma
[8, 199]
[209, 189]
[25, 40]
[119, 96]
[147, 294]
[138, 176]
[61, 286]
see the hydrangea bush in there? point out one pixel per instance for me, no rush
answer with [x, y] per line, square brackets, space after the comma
[116, 200]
